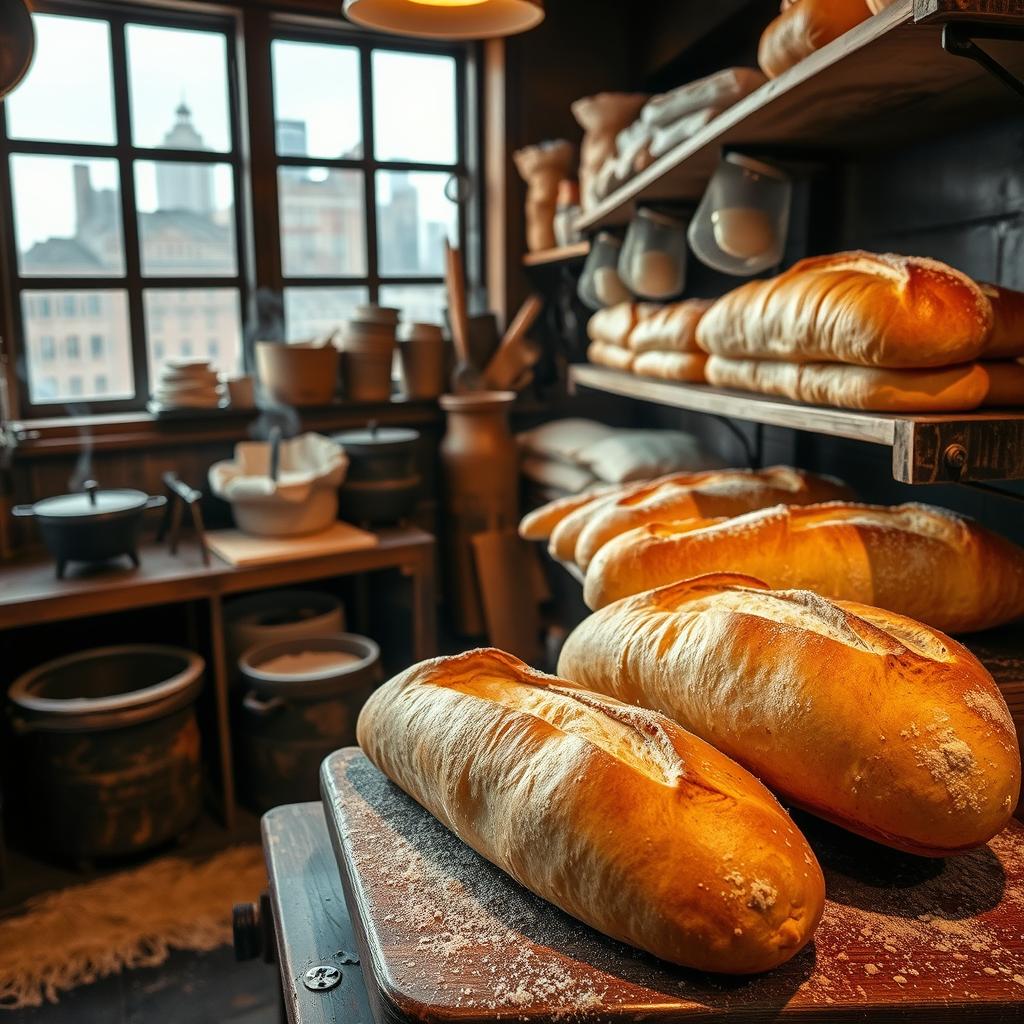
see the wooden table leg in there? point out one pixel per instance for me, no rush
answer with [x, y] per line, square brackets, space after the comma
[220, 689]
[424, 608]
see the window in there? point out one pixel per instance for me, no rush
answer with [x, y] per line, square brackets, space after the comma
[128, 198]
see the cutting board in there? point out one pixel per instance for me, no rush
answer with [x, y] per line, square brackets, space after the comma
[243, 549]
[446, 936]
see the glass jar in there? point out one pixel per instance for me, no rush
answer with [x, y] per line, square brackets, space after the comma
[741, 224]
[599, 283]
[652, 263]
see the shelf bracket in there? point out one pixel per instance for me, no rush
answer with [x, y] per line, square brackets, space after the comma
[958, 40]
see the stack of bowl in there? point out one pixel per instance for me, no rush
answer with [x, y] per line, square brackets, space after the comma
[367, 351]
[186, 384]
[421, 348]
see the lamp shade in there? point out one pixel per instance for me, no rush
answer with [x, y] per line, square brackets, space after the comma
[447, 19]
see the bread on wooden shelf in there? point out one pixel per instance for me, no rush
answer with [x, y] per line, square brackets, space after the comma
[862, 716]
[853, 307]
[614, 356]
[946, 389]
[681, 366]
[802, 28]
[726, 492]
[1007, 337]
[613, 324]
[916, 560]
[539, 523]
[671, 328]
[614, 814]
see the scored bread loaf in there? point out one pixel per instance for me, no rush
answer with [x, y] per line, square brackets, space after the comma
[917, 560]
[864, 717]
[853, 307]
[803, 27]
[604, 354]
[1007, 337]
[724, 492]
[538, 523]
[682, 366]
[671, 328]
[614, 814]
[947, 389]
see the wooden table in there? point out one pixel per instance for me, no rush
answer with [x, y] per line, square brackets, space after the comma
[31, 594]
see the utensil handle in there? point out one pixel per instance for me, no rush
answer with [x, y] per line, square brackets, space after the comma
[522, 321]
[91, 487]
[456, 282]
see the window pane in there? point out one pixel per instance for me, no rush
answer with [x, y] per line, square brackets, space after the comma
[413, 220]
[178, 81]
[422, 303]
[323, 222]
[62, 365]
[316, 312]
[317, 100]
[199, 323]
[67, 95]
[414, 107]
[186, 218]
[67, 215]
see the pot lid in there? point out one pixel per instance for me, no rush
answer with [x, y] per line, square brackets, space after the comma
[377, 436]
[91, 503]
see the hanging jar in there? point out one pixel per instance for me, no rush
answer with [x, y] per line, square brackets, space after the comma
[599, 283]
[652, 264]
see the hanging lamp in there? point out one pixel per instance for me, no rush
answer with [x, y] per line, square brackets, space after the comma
[447, 19]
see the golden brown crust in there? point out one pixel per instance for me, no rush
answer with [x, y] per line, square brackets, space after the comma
[603, 354]
[538, 524]
[803, 27]
[684, 366]
[671, 328]
[862, 716]
[726, 492]
[853, 307]
[1007, 338]
[916, 560]
[612, 813]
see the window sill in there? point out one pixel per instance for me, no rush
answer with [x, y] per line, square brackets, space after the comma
[126, 431]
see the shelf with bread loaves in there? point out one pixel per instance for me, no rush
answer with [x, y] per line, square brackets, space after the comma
[886, 79]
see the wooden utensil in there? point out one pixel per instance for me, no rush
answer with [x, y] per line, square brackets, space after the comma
[515, 354]
[465, 376]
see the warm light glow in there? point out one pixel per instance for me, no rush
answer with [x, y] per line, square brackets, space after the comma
[447, 19]
[450, 3]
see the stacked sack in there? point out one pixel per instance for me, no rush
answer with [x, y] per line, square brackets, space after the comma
[858, 330]
[649, 339]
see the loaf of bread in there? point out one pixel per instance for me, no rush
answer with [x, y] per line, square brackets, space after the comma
[614, 814]
[854, 307]
[614, 324]
[1006, 340]
[948, 389]
[538, 523]
[802, 28]
[864, 717]
[604, 354]
[671, 328]
[725, 492]
[681, 366]
[917, 560]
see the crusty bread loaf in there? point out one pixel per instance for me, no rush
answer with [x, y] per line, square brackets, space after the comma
[671, 328]
[724, 492]
[603, 354]
[538, 523]
[1007, 337]
[802, 28]
[853, 307]
[614, 324]
[862, 716]
[917, 560]
[949, 389]
[615, 814]
[682, 366]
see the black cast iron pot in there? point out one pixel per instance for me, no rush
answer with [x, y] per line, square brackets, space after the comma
[91, 526]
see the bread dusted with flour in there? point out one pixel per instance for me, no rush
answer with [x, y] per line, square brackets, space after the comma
[614, 814]
[538, 523]
[726, 492]
[917, 560]
[853, 307]
[803, 27]
[864, 717]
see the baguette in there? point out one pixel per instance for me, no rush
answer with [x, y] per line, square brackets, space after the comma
[614, 324]
[671, 328]
[614, 814]
[802, 28]
[683, 366]
[916, 560]
[853, 307]
[726, 492]
[538, 524]
[947, 389]
[604, 354]
[859, 715]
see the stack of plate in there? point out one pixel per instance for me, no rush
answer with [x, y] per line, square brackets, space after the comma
[186, 384]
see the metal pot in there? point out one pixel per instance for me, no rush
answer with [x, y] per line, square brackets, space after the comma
[92, 526]
[379, 453]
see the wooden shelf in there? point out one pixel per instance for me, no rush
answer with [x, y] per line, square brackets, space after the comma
[925, 448]
[557, 257]
[886, 80]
